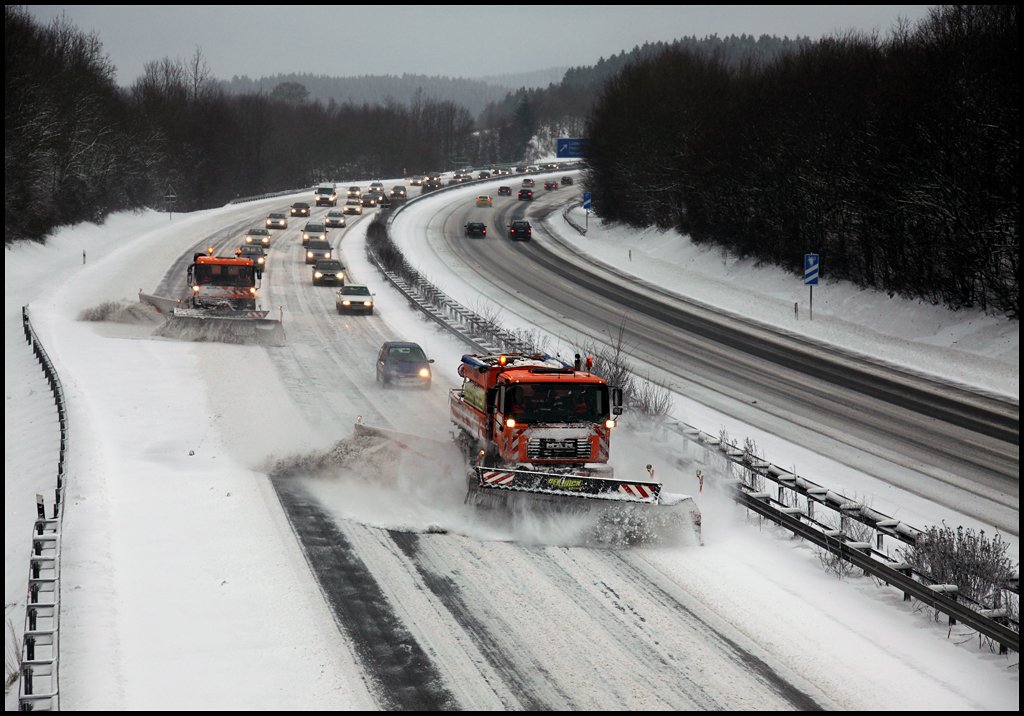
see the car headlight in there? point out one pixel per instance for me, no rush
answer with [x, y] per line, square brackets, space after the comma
[309, 254]
[368, 304]
[327, 255]
[424, 372]
[317, 274]
[262, 260]
[346, 302]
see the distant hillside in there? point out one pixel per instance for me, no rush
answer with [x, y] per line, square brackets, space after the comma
[530, 80]
[473, 94]
[734, 50]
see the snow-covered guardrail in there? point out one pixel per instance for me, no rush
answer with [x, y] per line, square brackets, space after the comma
[796, 503]
[39, 651]
[569, 220]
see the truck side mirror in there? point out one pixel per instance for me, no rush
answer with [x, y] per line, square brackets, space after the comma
[616, 401]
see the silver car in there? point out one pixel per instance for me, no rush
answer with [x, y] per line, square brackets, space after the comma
[318, 250]
[313, 232]
[354, 298]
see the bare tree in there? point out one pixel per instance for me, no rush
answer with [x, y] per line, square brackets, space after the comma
[198, 74]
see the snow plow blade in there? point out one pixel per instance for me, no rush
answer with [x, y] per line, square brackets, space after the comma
[623, 512]
[568, 484]
[243, 327]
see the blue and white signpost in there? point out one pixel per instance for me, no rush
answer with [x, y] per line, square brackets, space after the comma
[586, 205]
[812, 266]
[570, 147]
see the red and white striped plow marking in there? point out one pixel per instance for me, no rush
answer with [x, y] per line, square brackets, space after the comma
[513, 444]
[495, 477]
[643, 492]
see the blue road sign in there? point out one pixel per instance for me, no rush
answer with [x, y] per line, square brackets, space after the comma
[570, 147]
[586, 200]
[811, 267]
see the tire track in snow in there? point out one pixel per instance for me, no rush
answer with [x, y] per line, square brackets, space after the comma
[402, 676]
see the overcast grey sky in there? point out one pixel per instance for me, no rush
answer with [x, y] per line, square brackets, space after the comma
[340, 40]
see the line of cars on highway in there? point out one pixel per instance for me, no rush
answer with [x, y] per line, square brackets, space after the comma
[327, 269]
[518, 229]
[398, 362]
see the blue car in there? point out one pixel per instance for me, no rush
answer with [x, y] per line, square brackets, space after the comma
[403, 363]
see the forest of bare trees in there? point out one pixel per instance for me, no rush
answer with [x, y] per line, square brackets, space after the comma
[77, 147]
[895, 160]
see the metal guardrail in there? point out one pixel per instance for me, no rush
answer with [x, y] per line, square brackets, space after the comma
[569, 220]
[790, 488]
[993, 621]
[39, 688]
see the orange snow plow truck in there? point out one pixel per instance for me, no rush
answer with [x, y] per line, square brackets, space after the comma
[538, 428]
[221, 304]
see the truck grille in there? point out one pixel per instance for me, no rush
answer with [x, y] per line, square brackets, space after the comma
[553, 449]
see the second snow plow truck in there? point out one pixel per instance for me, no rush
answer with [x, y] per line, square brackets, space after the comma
[221, 305]
[538, 431]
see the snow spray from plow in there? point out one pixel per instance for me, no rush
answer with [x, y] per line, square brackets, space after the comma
[242, 327]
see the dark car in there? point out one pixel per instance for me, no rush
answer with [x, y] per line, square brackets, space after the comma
[520, 229]
[300, 208]
[328, 272]
[526, 195]
[476, 228]
[255, 252]
[398, 191]
[318, 250]
[549, 185]
[401, 362]
[528, 182]
[369, 200]
[354, 298]
[504, 191]
[566, 181]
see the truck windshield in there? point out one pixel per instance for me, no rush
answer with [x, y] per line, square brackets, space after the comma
[557, 402]
[224, 275]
